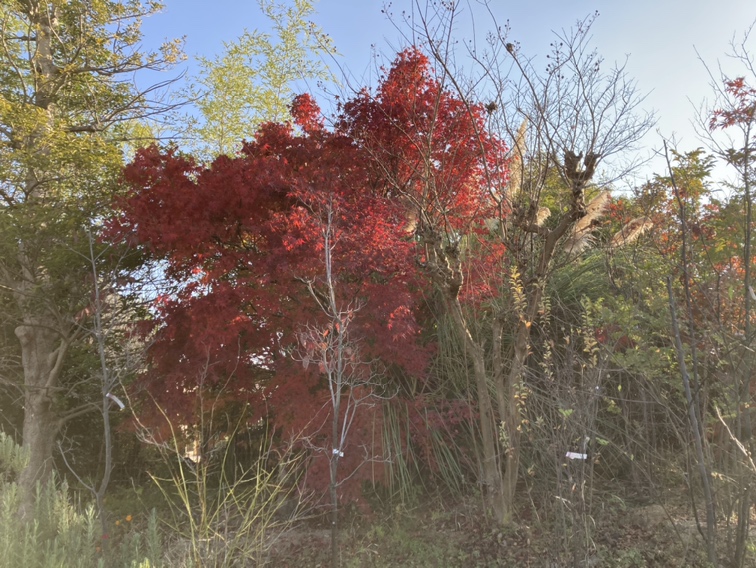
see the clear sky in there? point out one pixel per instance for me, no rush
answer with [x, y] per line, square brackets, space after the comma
[662, 38]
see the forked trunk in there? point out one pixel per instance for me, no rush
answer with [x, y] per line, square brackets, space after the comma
[508, 392]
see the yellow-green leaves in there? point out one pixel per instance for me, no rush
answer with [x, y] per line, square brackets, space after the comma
[253, 80]
[67, 98]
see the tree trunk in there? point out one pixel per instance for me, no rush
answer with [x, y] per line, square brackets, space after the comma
[334, 514]
[334, 472]
[509, 409]
[508, 391]
[41, 349]
[493, 482]
[40, 357]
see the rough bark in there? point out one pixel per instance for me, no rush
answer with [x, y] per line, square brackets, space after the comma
[41, 354]
[42, 351]
[509, 409]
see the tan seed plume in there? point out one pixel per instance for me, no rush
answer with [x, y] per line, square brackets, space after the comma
[630, 232]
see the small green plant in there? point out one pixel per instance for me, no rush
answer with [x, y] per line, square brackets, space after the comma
[59, 533]
[630, 558]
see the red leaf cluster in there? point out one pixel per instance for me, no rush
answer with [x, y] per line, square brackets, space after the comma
[427, 147]
[741, 108]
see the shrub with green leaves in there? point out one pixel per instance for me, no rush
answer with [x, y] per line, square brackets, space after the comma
[60, 533]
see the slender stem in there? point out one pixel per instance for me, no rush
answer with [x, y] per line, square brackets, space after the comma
[711, 526]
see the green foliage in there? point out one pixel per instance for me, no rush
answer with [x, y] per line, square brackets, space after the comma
[63, 111]
[62, 103]
[253, 81]
[12, 458]
[59, 533]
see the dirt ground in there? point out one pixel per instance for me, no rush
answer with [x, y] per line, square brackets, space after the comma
[614, 535]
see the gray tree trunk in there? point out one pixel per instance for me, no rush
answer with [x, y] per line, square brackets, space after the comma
[41, 356]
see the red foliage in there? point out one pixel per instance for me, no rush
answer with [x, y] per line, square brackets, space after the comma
[242, 236]
[613, 337]
[742, 109]
[306, 113]
[442, 420]
[431, 150]
[428, 146]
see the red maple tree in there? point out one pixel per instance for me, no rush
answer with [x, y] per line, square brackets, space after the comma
[242, 240]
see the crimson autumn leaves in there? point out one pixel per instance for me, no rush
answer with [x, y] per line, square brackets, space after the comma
[243, 239]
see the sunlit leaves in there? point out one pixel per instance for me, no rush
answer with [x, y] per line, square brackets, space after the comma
[742, 109]
[252, 82]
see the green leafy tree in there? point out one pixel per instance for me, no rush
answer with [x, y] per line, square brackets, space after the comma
[252, 81]
[67, 104]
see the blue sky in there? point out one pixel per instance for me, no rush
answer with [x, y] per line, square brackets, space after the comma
[660, 37]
